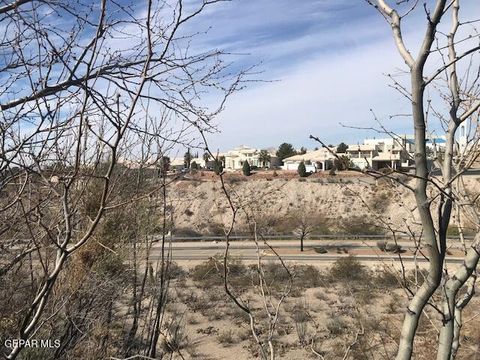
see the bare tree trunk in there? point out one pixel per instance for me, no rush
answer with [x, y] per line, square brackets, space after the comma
[451, 323]
[423, 295]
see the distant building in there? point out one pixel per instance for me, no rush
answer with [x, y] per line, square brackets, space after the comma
[361, 155]
[393, 152]
[177, 164]
[316, 160]
[234, 159]
[202, 164]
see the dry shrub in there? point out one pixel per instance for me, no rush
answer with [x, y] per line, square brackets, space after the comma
[355, 225]
[337, 326]
[308, 276]
[226, 338]
[174, 335]
[386, 278]
[348, 268]
[211, 273]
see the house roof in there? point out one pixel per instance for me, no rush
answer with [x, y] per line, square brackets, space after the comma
[177, 161]
[386, 156]
[361, 147]
[242, 149]
[315, 155]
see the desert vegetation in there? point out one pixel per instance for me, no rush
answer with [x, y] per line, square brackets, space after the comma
[95, 99]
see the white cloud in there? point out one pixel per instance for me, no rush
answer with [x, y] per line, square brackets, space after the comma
[313, 99]
[339, 83]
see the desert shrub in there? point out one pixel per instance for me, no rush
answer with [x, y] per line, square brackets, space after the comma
[216, 229]
[380, 201]
[234, 180]
[226, 338]
[300, 311]
[300, 317]
[359, 225]
[239, 316]
[211, 273]
[301, 329]
[320, 250]
[174, 334]
[110, 265]
[213, 313]
[308, 276]
[186, 232]
[209, 330]
[348, 268]
[389, 247]
[381, 245]
[393, 248]
[385, 278]
[175, 271]
[244, 335]
[275, 274]
[417, 276]
[336, 326]
[321, 295]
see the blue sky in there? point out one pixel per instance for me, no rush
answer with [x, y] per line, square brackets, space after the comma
[328, 59]
[323, 62]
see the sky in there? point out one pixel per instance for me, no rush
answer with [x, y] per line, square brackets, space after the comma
[321, 66]
[324, 66]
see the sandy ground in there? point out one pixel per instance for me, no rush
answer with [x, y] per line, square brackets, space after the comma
[325, 317]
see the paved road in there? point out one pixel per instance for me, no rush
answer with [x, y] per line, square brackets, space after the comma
[199, 251]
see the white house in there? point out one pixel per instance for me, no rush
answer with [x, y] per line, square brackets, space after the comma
[315, 160]
[393, 152]
[235, 158]
[177, 164]
[361, 155]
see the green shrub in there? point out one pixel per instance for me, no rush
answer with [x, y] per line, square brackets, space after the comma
[320, 250]
[393, 248]
[218, 167]
[246, 170]
[302, 171]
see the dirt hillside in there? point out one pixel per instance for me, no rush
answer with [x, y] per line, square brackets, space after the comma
[200, 204]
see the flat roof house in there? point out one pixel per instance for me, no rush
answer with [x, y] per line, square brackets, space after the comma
[394, 152]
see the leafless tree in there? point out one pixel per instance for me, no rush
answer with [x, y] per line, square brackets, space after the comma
[90, 93]
[461, 96]
[272, 300]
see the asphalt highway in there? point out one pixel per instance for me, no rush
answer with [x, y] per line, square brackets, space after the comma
[199, 251]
